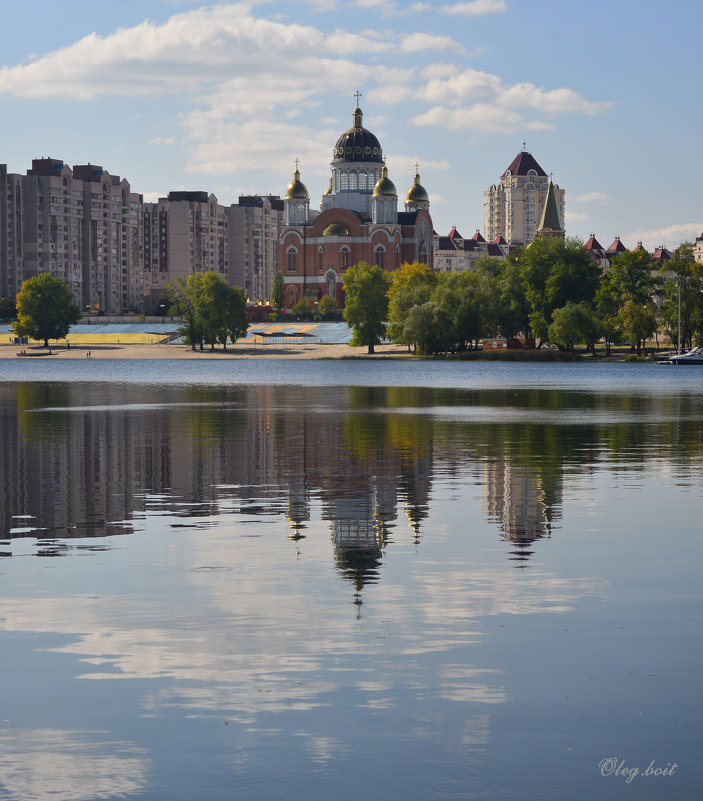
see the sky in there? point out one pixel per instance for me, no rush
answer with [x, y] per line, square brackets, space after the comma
[174, 94]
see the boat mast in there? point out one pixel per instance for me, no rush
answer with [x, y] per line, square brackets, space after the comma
[678, 349]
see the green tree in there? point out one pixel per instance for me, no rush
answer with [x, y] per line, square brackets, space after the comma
[303, 309]
[460, 298]
[45, 309]
[211, 310]
[278, 299]
[632, 276]
[411, 285]
[8, 309]
[366, 307]
[181, 297]
[428, 326]
[683, 277]
[326, 307]
[237, 322]
[555, 271]
[572, 324]
[639, 323]
[514, 309]
[607, 305]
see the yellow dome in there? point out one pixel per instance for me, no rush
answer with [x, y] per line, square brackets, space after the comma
[296, 188]
[384, 186]
[417, 192]
[336, 229]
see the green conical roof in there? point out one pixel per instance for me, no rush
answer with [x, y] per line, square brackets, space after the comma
[550, 221]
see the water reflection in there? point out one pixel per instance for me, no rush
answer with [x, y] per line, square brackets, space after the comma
[81, 461]
[44, 764]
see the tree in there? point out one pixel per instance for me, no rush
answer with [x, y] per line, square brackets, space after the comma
[460, 297]
[685, 280]
[303, 308]
[211, 310]
[632, 278]
[555, 271]
[639, 323]
[45, 309]
[572, 324]
[411, 285]
[278, 299]
[8, 309]
[366, 309]
[428, 326]
[237, 322]
[326, 307]
[607, 302]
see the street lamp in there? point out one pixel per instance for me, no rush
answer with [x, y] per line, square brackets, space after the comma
[162, 306]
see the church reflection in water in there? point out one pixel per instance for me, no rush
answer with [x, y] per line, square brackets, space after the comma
[81, 461]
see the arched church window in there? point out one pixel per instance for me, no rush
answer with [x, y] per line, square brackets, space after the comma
[353, 181]
[344, 181]
[344, 257]
[380, 256]
[292, 254]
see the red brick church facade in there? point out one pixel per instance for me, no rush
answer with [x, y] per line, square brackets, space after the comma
[358, 221]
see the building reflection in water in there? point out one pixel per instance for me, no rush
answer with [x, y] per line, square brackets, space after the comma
[82, 461]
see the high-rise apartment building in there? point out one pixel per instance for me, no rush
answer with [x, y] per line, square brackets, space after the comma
[255, 225]
[83, 226]
[513, 207]
[184, 233]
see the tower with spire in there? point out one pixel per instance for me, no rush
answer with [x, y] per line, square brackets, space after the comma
[512, 208]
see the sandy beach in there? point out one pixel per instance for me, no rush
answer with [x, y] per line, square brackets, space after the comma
[239, 350]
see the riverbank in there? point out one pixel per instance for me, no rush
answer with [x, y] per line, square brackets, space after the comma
[278, 350]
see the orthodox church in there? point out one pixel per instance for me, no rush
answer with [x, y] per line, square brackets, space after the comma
[358, 221]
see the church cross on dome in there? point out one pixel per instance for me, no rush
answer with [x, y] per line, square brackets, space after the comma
[357, 95]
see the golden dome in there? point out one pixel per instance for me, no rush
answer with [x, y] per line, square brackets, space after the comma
[296, 188]
[336, 229]
[417, 192]
[384, 186]
[328, 191]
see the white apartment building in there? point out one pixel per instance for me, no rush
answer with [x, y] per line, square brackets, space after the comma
[184, 233]
[82, 226]
[255, 225]
[698, 249]
[513, 207]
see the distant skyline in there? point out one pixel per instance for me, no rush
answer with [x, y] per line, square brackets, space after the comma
[174, 94]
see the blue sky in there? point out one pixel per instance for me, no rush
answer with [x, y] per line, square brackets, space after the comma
[173, 94]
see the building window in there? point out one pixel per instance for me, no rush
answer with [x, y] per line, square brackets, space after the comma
[344, 258]
[292, 261]
[380, 254]
[344, 181]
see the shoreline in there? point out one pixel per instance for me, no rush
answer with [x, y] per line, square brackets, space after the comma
[296, 351]
[240, 350]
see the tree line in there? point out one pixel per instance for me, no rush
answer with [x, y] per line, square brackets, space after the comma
[552, 290]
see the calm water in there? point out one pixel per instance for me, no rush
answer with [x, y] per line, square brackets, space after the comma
[341, 580]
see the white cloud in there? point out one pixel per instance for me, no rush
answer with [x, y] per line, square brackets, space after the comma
[555, 101]
[476, 8]
[671, 236]
[480, 117]
[460, 86]
[591, 197]
[190, 49]
[163, 140]
[575, 217]
[414, 42]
